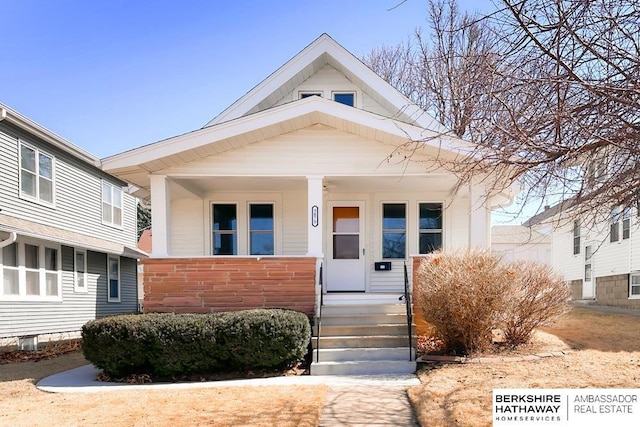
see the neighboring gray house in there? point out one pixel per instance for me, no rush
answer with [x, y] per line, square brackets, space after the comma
[68, 249]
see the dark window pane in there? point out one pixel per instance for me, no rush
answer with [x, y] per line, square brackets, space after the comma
[394, 216]
[430, 216]
[430, 242]
[31, 256]
[46, 166]
[50, 259]
[346, 246]
[224, 217]
[308, 94]
[46, 190]
[261, 243]
[113, 289]
[261, 217]
[10, 255]
[80, 262]
[344, 98]
[224, 244]
[393, 245]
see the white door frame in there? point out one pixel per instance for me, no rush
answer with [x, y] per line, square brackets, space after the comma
[346, 275]
[588, 287]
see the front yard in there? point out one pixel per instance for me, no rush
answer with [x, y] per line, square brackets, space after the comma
[21, 404]
[606, 354]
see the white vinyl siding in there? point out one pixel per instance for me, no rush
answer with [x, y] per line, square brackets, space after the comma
[77, 192]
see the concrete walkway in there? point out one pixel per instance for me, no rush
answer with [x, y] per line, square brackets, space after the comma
[590, 305]
[371, 400]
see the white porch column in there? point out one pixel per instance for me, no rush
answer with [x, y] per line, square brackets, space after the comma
[479, 218]
[160, 215]
[314, 212]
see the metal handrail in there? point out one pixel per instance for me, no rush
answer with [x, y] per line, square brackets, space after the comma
[407, 301]
[319, 317]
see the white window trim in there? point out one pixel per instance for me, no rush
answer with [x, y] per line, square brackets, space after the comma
[625, 217]
[273, 231]
[319, 93]
[574, 237]
[213, 232]
[442, 230]
[76, 288]
[22, 273]
[112, 187]
[344, 92]
[630, 281]
[36, 198]
[615, 222]
[406, 229]
[109, 298]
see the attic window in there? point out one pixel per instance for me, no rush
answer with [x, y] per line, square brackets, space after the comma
[304, 95]
[346, 98]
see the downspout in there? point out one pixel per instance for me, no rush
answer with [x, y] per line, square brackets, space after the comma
[11, 239]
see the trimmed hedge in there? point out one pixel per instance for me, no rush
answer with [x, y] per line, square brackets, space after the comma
[168, 344]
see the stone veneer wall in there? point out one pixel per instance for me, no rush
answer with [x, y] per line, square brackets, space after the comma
[614, 291]
[206, 285]
[576, 289]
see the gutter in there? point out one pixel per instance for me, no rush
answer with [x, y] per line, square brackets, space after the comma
[24, 123]
[12, 236]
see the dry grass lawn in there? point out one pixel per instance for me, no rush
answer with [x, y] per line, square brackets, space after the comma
[21, 404]
[606, 354]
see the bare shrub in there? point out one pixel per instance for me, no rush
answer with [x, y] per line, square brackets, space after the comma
[536, 297]
[462, 295]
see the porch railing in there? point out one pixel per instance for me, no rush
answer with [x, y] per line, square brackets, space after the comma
[407, 301]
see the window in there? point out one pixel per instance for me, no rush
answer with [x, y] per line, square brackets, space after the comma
[304, 95]
[394, 226]
[587, 263]
[36, 174]
[576, 237]
[225, 229]
[9, 262]
[626, 223]
[346, 98]
[113, 279]
[111, 204]
[614, 234]
[80, 271]
[41, 267]
[261, 239]
[430, 227]
[634, 285]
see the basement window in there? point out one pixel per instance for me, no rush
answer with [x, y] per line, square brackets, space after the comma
[634, 286]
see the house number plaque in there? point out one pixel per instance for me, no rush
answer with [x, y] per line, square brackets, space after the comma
[314, 216]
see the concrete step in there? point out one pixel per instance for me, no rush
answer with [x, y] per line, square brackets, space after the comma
[371, 367]
[348, 309]
[364, 319]
[363, 354]
[389, 341]
[362, 330]
[362, 298]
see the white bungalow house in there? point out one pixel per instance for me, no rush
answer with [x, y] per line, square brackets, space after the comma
[309, 185]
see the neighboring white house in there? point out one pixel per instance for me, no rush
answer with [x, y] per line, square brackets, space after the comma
[520, 243]
[600, 259]
[67, 235]
[311, 183]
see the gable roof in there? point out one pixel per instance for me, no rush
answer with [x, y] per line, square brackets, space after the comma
[11, 116]
[322, 51]
[135, 165]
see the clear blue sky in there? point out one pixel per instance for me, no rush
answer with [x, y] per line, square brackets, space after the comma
[112, 75]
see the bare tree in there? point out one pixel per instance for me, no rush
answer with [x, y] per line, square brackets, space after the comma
[549, 92]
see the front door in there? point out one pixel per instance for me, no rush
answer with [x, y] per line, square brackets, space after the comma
[346, 257]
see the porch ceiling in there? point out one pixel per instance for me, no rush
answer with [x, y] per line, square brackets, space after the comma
[438, 182]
